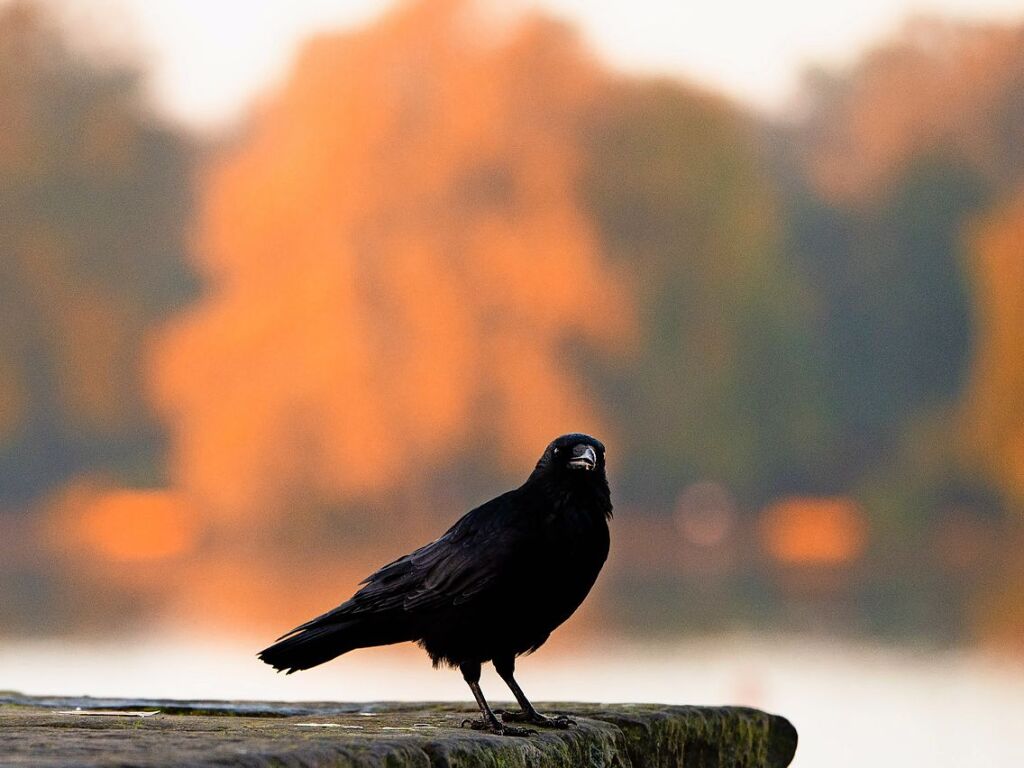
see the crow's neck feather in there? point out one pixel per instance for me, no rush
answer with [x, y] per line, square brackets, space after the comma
[588, 492]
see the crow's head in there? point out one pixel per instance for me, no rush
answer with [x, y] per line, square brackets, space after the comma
[573, 453]
[571, 471]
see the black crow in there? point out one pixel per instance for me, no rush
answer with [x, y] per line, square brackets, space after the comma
[491, 588]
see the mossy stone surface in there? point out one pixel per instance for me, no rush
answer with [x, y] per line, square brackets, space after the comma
[382, 735]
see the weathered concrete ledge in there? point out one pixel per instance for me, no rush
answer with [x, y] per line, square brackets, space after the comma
[395, 735]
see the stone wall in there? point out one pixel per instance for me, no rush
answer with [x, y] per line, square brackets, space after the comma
[34, 732]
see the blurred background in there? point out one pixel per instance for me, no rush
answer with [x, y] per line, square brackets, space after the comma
[287, 287]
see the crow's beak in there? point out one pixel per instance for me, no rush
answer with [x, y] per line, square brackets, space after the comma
[583, 457]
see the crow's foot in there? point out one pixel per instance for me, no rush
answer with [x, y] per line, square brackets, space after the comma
[497, 728]
[535, 718]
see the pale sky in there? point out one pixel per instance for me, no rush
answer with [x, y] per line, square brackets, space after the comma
[210, 58]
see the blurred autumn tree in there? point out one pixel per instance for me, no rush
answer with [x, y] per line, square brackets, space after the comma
[397, 259]
[94, 195]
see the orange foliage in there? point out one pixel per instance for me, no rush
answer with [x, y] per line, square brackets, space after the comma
[118, 526]
[997, 618]
[814, 531]
[396, 258]
[933, 90]
[138, 526]
[994, 413]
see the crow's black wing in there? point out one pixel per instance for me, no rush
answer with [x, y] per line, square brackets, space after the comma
[487, 548]
[487, 545]
[481, 549]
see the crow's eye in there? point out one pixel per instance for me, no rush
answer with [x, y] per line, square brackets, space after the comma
[554, 452]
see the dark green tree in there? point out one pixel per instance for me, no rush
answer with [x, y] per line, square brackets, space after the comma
[725, 383]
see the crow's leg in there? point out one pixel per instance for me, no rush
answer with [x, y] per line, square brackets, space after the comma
[471, 674]
[506, 668]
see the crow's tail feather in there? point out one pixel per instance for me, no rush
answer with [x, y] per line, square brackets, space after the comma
[323, 639]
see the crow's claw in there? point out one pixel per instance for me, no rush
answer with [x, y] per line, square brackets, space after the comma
[560, 721]
[498, 728]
